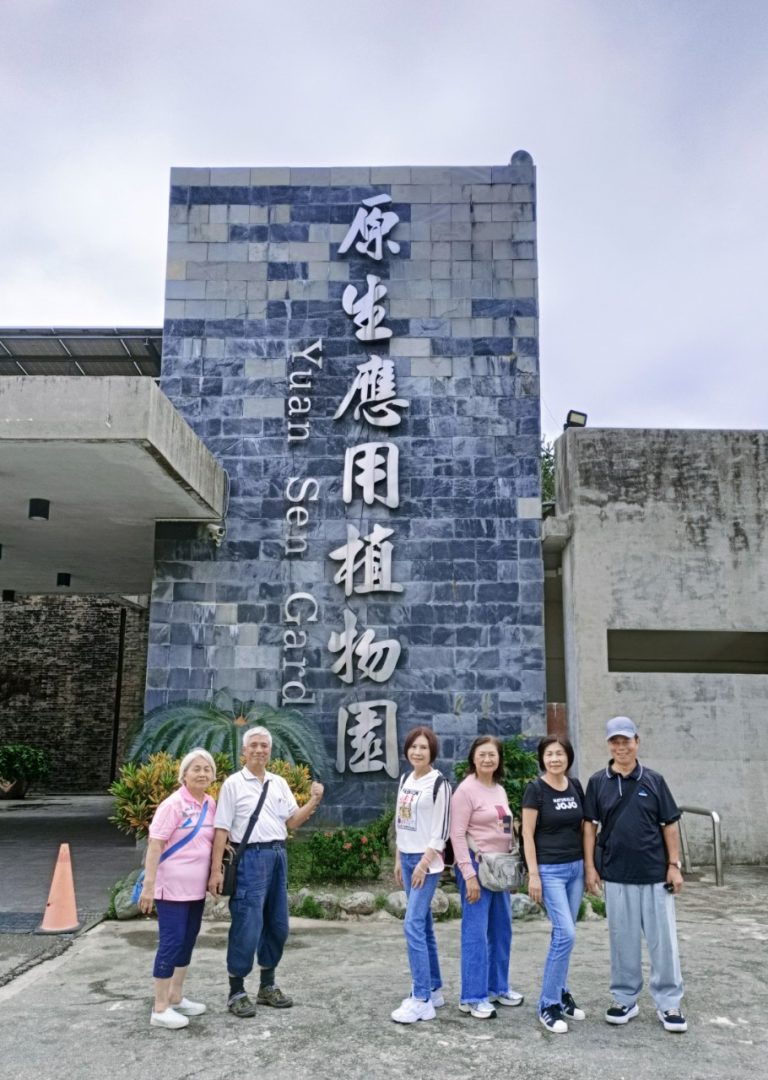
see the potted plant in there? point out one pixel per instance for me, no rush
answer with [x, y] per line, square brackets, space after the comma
[20, 766]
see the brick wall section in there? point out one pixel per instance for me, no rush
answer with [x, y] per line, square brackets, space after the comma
[58, 670]
[254, 276]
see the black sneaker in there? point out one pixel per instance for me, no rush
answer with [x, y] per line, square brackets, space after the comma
[673, 1020]
[241, 1005]
[621, 1014]
[552, 1019]
[570, 1009]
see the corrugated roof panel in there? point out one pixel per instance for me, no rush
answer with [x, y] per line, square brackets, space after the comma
[33, 346]
[125, 366]
[49, 367]
[95, 347]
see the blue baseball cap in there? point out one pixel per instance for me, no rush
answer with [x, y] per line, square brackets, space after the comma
[620, 725]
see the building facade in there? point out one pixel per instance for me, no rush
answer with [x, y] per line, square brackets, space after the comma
[358, 349]
[662, 552]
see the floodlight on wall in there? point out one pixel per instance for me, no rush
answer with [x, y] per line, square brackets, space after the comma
[39, 509]
[9, 595]
[64, 579]
[575, 419]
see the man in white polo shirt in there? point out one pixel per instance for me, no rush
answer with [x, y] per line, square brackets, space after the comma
[259, 906]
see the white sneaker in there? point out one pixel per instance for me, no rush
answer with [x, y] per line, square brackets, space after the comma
[189, 1008]
[481, 1010]
[168, 1019]
[509, 997]
[412, 1010]
[437, 999]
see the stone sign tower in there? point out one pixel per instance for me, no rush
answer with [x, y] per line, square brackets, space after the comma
[358, 348]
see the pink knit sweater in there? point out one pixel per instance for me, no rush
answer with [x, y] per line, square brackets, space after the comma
[482, 813]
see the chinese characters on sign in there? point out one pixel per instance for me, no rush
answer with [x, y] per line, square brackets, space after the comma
[370, 728]
[373, 555]
[374, 389]
[367, 730]
[372, 225]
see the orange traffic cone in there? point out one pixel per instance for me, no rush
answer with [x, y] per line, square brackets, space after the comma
[61, 910]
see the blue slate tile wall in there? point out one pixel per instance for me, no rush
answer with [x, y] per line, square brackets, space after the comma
[255, 276]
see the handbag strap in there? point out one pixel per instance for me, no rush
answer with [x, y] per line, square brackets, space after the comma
[614, 814]
[251, 822]
[185, 840]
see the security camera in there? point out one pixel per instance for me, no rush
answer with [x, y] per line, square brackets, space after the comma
[216, 533]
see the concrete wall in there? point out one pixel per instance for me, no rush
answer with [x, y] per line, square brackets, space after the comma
[255, 276]
[59, 664]
[668, 532]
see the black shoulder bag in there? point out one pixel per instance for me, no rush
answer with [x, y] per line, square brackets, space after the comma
[232, 855]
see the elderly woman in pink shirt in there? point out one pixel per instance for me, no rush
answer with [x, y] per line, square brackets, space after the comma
[176, 885]
[481, 821]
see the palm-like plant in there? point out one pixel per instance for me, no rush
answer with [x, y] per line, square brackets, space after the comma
[218, 725]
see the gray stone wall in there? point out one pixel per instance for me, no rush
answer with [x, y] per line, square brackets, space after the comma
[668, 534]
[59, 660]
[255, 277]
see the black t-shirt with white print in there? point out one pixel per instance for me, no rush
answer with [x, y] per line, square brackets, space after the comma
[558, 826]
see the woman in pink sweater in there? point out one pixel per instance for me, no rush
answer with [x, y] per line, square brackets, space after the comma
[481, 821]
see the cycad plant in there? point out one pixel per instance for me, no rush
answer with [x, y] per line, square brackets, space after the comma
[218, 725]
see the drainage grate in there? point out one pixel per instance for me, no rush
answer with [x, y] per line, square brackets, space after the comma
[24, 922]
[18, 922]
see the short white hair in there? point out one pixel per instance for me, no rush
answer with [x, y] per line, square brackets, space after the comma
[252, 732]
[187, 760]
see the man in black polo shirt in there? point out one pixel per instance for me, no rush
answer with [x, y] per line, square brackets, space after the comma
[637, 859]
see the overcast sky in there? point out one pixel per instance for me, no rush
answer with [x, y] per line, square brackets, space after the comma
[647, 120]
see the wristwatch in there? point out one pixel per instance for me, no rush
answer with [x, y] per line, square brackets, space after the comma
[677, 863]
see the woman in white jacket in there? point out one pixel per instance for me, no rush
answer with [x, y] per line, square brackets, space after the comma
[422, 824]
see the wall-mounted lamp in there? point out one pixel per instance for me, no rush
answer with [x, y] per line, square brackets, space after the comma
[575, 419]
[64, 579]
[39, 509]
[9, 595]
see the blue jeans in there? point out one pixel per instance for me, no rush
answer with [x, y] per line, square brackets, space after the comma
[486, 942]
[259, 910]
[178, 924]
[419, 930]
[562, 886]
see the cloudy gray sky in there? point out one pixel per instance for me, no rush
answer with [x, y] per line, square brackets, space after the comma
[646, 118]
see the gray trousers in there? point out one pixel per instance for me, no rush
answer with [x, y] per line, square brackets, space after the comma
[648, 911]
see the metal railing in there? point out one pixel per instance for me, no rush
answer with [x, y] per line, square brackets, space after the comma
[716, 840]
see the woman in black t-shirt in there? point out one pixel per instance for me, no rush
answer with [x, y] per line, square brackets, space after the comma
[552, 823]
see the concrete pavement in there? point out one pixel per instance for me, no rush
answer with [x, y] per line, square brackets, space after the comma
[31, 831]
[84, 1015]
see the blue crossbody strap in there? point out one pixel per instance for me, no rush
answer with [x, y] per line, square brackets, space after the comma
[185, 840]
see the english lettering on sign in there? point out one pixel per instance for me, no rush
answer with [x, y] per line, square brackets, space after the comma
[300, 405]
[300, 607]
[297, 516]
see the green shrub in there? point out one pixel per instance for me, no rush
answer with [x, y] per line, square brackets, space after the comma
[349, 854]
[597, 903]
[299, 861]
[310, 909]
[379, 828]
[140, 788]
[520, 767]
[21, 762]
